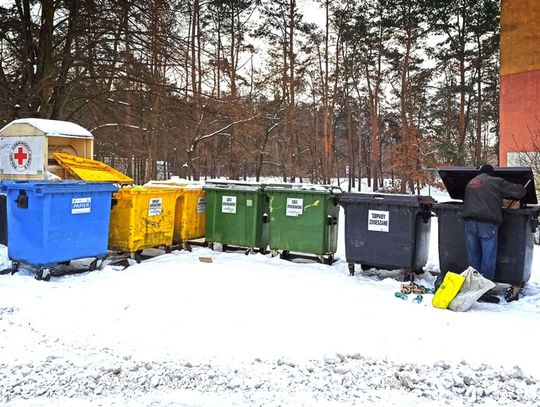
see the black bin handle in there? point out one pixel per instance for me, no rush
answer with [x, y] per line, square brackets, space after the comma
[22, 200]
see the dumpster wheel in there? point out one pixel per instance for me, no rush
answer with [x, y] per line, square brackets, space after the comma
[329, 260]
[351, 269]
[14, 267]
[512, 293]
[43, 273]
[93, 265]
[137, 256]
[284, 255]
[409, 275]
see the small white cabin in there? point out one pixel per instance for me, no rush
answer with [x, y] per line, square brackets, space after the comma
[27, 147]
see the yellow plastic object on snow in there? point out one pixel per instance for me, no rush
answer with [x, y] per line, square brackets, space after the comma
[142, 218]
[448, 290]
[90, 170]
[190, 215]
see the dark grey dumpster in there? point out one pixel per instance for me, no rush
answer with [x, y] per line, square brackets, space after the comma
[3, 220]
[516, 234]
[387, 231]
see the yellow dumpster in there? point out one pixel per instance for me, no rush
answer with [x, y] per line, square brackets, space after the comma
[190, 213]
[142, 218]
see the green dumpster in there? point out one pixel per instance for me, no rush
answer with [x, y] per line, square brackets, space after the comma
[304, 219]
[236, 215]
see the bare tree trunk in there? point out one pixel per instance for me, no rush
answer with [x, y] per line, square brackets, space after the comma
[325, 110]
[45, 63]
[59, 91]
[478, 144]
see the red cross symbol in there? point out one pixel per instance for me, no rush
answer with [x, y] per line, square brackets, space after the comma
[20, 156]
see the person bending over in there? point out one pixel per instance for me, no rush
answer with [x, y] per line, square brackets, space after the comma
[482, 213]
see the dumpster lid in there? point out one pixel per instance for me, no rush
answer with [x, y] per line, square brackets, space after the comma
[147, 190]
[307, 188]
[455, 180]
[90, 170]
[232, 185]
[398, 199]
[174, 182]
[64, 186]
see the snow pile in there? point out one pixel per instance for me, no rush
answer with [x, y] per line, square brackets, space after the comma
[337, 379]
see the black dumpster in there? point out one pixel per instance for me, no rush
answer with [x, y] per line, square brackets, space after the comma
[387, 231]
[516, 234]
[3, 220]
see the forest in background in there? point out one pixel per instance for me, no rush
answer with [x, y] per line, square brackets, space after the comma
[382, 89]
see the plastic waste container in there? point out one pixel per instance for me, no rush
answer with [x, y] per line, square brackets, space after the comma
[142, 218]
[516, 234]
[304, 218]
[387, 231]
[237, 215]
[190, 212]
[3, 220]
[56, 222]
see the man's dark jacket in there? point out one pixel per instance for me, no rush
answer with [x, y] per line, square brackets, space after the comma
[484, 195]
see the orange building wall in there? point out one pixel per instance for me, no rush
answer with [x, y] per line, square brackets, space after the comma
[519, 112]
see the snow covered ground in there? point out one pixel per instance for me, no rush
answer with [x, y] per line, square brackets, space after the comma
[257, 330]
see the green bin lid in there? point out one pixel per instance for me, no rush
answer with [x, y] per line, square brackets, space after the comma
[221, 185]
[455, 180]
[303, 188]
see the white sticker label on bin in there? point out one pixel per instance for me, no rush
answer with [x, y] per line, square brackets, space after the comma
[379, 221]
[201, 205]
[295, 207]
[154, 206]
[81, 205]
[228, 204]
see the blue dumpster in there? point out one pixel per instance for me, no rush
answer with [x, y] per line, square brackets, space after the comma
[3, 220]
[56, 222]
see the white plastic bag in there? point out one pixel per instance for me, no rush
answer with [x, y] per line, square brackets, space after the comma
[474, 286]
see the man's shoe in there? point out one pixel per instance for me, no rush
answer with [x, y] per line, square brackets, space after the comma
[489, 298]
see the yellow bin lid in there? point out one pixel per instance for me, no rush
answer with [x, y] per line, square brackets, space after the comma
[90, 170]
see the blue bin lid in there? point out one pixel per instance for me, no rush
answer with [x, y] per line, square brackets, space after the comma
[455, 180]
[60, 186]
